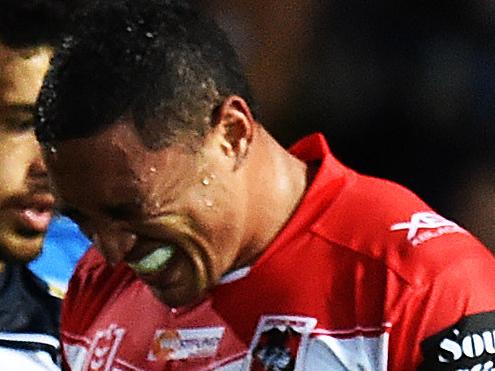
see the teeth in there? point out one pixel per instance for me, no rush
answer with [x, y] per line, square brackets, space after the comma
[153, 262]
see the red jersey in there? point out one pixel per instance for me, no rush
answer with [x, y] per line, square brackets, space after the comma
[364, 276]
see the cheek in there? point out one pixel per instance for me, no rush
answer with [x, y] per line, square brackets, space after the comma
[14, 163]
[74, 185]
[225, 208]
[221, 219]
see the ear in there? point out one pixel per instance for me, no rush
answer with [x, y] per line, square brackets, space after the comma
[234, 125]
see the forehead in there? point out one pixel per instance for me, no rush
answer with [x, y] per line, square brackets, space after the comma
[114, 167]
[21, 74]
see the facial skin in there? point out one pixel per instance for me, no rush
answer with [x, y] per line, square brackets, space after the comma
[132, 201]
[25, 203]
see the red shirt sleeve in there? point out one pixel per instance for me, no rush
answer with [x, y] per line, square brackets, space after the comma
[449, 323]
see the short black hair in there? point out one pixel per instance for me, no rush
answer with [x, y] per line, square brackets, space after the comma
[32, 23]
[161, 63]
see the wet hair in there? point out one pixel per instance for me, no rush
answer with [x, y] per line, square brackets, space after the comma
[33, 23]
[160, 63]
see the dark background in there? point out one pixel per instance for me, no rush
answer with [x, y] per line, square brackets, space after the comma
[402, 89]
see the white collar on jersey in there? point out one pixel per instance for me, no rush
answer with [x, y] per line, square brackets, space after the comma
[235, 275]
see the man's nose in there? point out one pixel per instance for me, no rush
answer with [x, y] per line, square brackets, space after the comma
[114, 243]
[37, 172]
[38, 167]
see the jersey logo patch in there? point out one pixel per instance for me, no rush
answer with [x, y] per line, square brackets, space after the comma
[280, 343]
[176, 344]
[435, 224]
[103, 348]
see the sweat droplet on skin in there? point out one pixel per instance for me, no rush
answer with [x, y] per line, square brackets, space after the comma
[209, 203]
[205, 181]
[152, 169]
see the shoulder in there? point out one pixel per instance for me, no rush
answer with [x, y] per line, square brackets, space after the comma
[93, 284]
[387, 222]
[89, 268]
[29, 321]
[92, 274]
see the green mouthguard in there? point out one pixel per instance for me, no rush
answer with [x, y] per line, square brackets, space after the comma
[153, 262]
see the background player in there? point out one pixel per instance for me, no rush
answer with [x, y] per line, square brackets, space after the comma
[29, 313]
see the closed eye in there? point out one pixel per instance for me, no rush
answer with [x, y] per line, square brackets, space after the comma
[17, 125]
[17, 117]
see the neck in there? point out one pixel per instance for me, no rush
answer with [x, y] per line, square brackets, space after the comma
[278, 183]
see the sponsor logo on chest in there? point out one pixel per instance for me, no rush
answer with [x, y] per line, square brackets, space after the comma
[177, 344]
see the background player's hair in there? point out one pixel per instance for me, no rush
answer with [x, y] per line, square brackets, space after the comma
[31, 23]
[158, 62]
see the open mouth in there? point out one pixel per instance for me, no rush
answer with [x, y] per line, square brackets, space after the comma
[37, 219]
[154, 262]
[35, 215]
